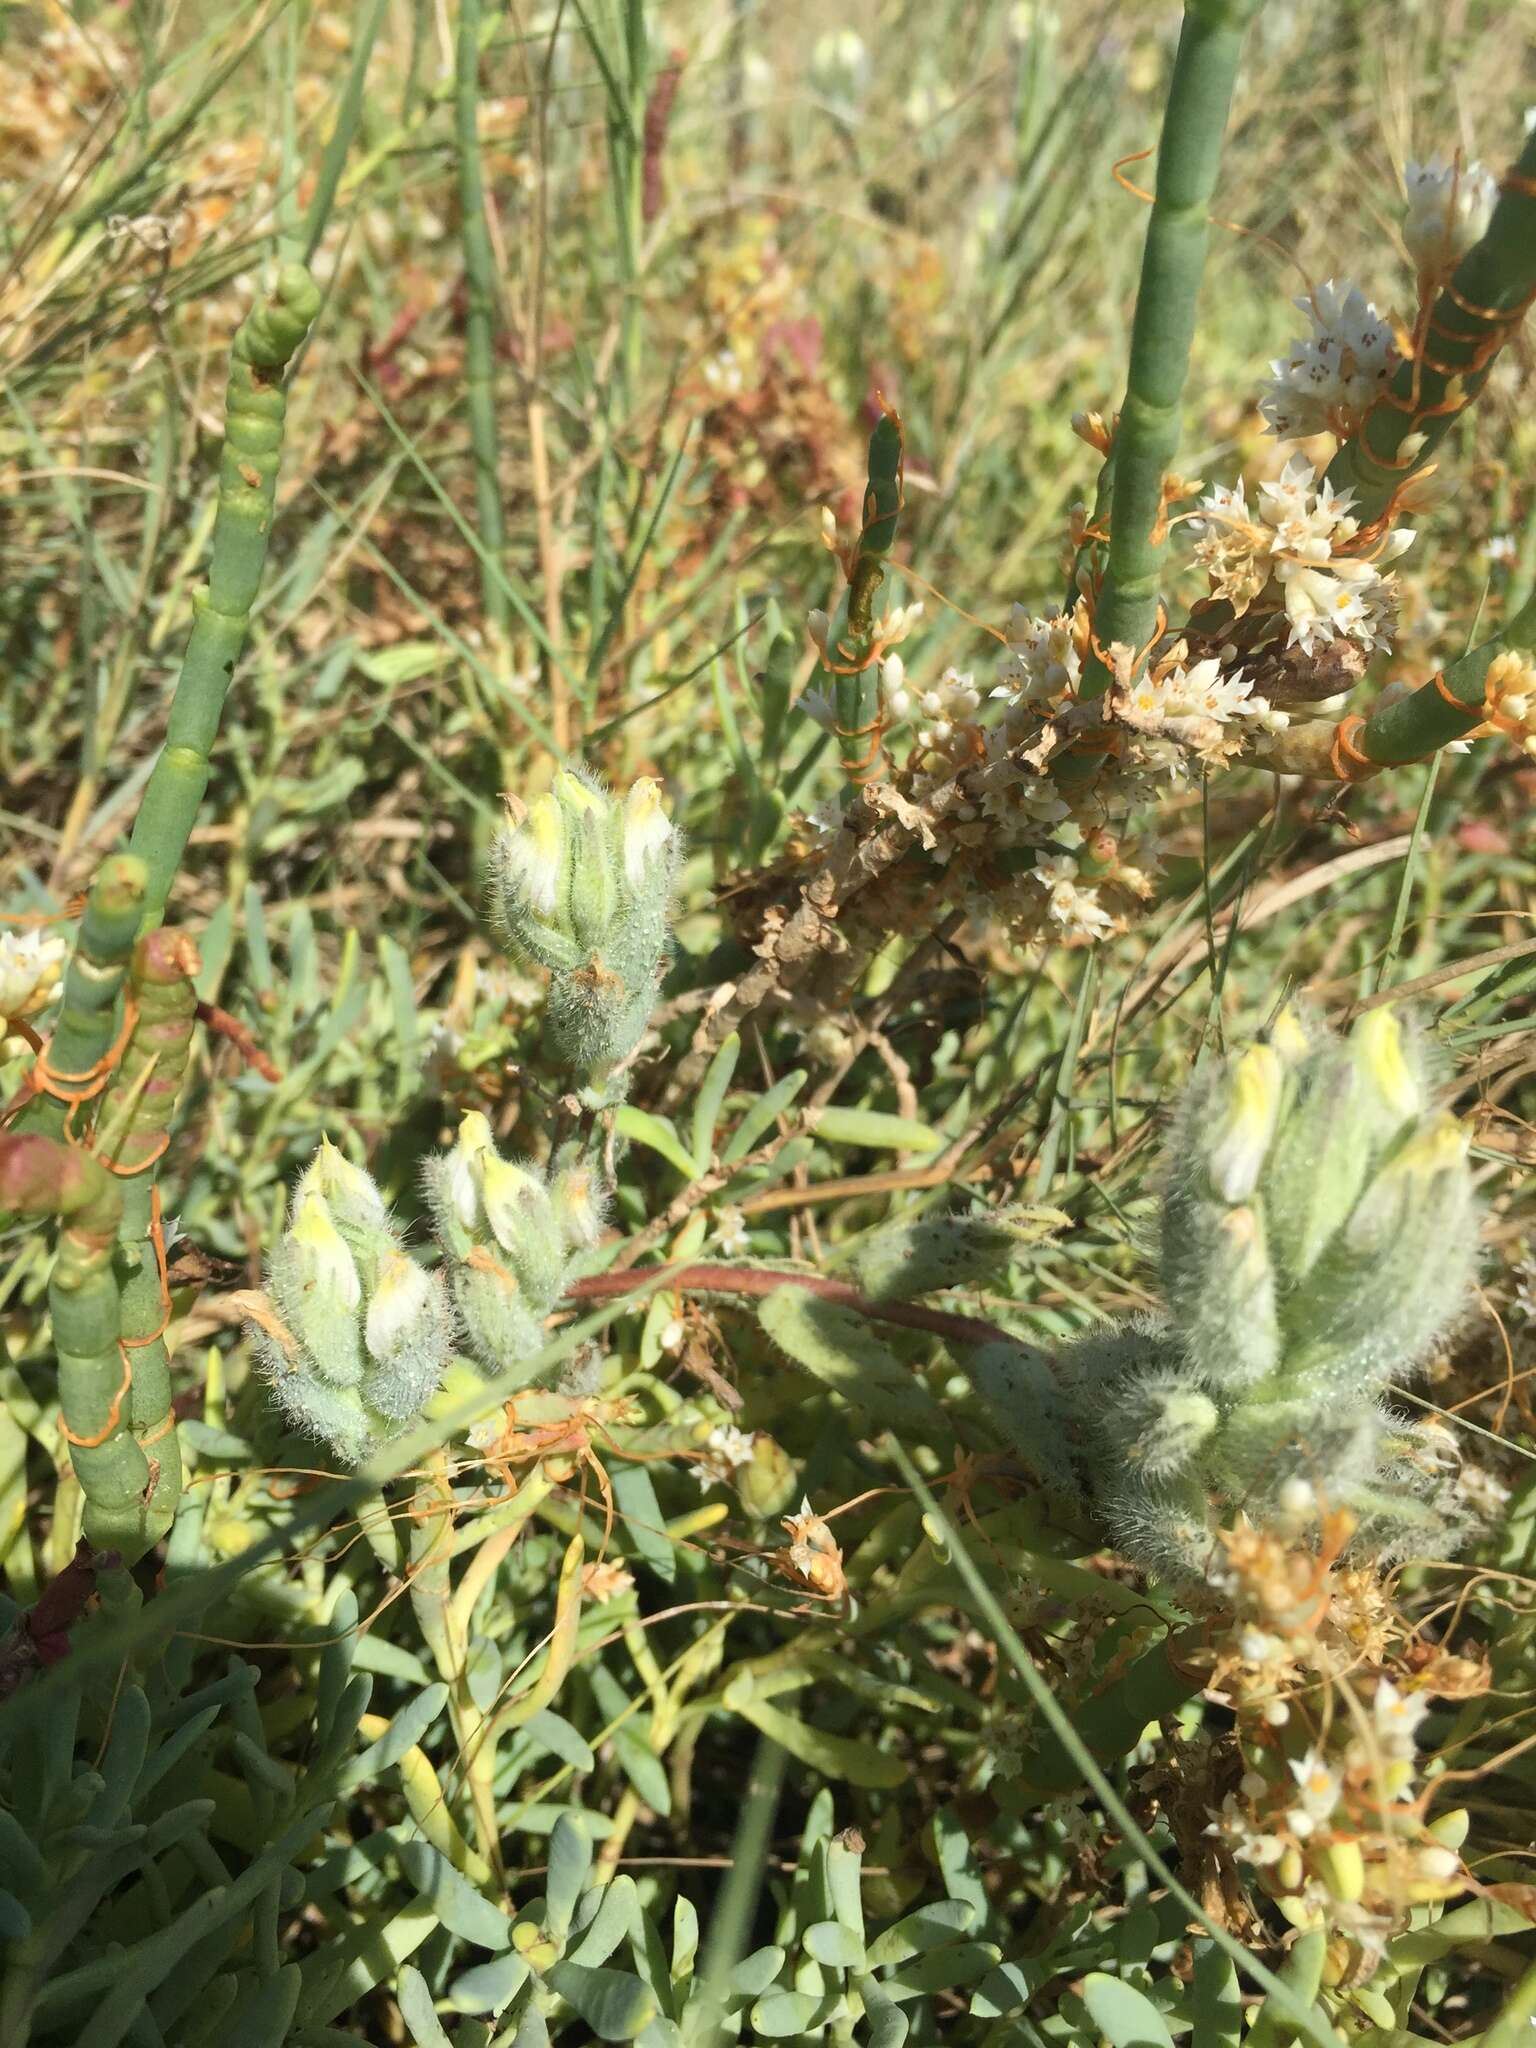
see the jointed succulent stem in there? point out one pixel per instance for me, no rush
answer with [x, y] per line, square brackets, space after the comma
[87, 1019]
[41, 1178]
[253, 437]
[1189, 156]
[135, 1120]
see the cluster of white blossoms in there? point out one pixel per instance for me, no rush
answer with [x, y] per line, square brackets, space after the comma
[1176, 694]
[1293, 548]
[945, 706]
[1327, 1812]
[31, 966]
[1074, 907]
[724, 1451]
[1042, 662]
[1333, 376]
[1449, 208]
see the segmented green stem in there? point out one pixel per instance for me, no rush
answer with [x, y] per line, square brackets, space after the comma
[254, 409]
[479, 321]
[40, 1177]
[135, 1120]
[853, 639]
[1414, 726]
[1189, 155]
[88, 1015]
[1473, 317]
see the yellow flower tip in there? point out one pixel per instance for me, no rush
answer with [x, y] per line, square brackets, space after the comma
[1251, 1106]
[1439, 1148]
[325, 1255]
[504, 1189]
[1379, 1051]
[576, 794]
[1288, 1036]
[647, 828]
[475, 1133]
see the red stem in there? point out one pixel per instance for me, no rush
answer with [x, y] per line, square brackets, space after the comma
[759, 1280]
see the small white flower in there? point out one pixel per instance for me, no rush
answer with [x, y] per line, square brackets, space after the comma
[674, 1335]
[1449, 208]
[731, 1231]
[1077, 910]
[723, 373]
[1332, 377]
[483, 1435]
[817, 705]
[726, 1450]
[1319, 1786]
[1042, 662]
[31, 964]
[1395, 1717]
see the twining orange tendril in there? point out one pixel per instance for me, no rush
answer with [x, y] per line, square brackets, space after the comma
[1125, 184]
[1349, 763]
[114, 1413]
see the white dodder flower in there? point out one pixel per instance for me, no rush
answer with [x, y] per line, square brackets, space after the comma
[726, 1450]
[1203, 691]
[1333, 375]
[31, 964]
[953, 700]
[1298, 536]
[1042, 661]
[1075, 908]
[1449, 208]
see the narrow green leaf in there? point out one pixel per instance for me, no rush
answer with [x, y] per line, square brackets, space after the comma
[557, 1735]
[570, 1859]
[783, 2014]
[754, 1973]
[874, 1128]
[657, 1133]
[489, 1987]
[614, 2003]
[1129, 2019]
[835, 1756]
[415, 2003]
[462, 1910]
[634, 1496]
[932, 1926]
[706, 1108]
[836, 1947]
[760, 1118]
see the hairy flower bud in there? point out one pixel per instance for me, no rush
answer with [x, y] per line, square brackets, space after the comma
[508, 1237]
[1246, 1111]
[357, 1334]
[582, 885]
[1319, 1236]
